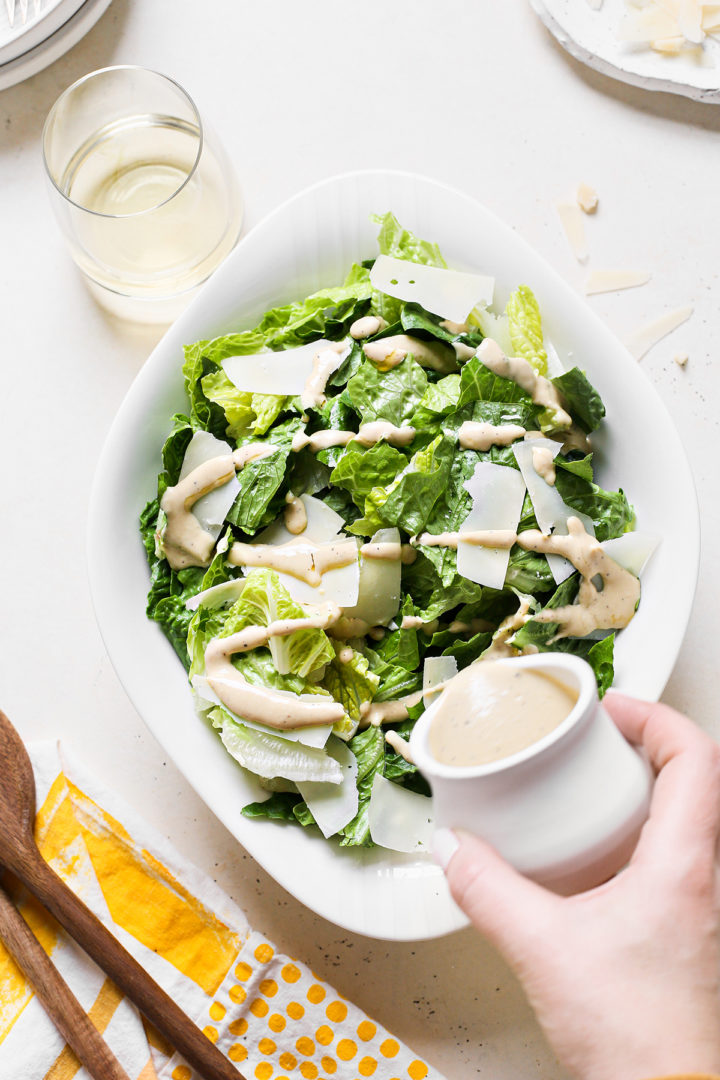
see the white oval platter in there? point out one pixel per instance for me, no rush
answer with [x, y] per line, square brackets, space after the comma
[590, 34]
[309, 242]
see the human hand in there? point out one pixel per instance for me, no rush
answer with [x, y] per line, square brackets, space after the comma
[624, 979]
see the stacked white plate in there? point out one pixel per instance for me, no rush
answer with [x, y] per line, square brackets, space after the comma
[34, 33]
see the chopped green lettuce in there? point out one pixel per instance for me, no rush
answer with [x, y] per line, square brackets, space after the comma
[525, 328]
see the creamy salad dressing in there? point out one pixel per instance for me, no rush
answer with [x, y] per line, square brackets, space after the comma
[499, 647]
[463, 352]
[609, 607]
[414, 622]
[388, 352]
[388, 712]
[490, 711]
[544, 463]
[495, 538]
[184, 541]
[305, 561]
[295, 514]
[477, 435]
[519, 371]
[261, 704]
[401, 746]
[367, 435]
[454, 327]
[324, 363]
[348, 626]
[368, 326]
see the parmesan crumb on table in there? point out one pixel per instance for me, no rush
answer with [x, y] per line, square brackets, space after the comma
[681, 359]
[587, 198]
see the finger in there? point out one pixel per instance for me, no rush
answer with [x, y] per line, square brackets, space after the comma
[685, 808]
[660, 730]
[502, 904]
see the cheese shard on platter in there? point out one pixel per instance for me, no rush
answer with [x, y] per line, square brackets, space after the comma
[497, 492]
[448, 293]
[379, 586]
[333, 805]
[632, 550]
[399, 819]
[340, 584]
[280, 373]
[551, 511]
[600, 281]
[212, 509]
[436, 671]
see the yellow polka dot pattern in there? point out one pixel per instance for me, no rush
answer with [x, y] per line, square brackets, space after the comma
[280, 1021]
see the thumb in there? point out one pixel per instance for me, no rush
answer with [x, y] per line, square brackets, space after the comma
[504, 906]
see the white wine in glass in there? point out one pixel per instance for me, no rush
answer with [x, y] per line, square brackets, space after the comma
[147, 199]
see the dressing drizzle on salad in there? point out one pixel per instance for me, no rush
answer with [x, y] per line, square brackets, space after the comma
[184, 541]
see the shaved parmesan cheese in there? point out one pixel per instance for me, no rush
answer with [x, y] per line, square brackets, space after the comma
[497, 493]
[572, 223]
[551, 512]
[711, 18]
[666, 26]
[339, 584]
[595, 4]
[323, 527]
[323, 524]
[600, 281]
[379, 585]
[212, 509]
[554, 363]
[587, 198]
[399, 819]
[648, 335]
[632, 550]
[437, 670]
[226, 592]
[315, 736]
[333, 805]
[447, 293]
[283, 372]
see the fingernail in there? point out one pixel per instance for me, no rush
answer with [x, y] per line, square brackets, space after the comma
[444, 845]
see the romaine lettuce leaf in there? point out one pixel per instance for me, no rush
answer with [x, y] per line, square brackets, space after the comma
[581, 398]
[391, 395]
[611, 513]
[413, 494]
[169, 589]
[350, 681]
[359, 470]
[400, 243]
[525, 328]
[479, 383]
[263, 601]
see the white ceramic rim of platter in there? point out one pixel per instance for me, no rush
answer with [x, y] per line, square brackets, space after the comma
[576, 27]
[52, 48]
[307, 242]
[23, 37]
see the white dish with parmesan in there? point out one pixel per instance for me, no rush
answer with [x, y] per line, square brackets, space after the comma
[362, 492]
[667, 45]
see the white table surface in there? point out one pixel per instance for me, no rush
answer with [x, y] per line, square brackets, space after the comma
[475, 94]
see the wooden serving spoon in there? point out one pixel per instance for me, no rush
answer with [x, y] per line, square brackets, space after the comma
[58, 1000]
[19, 853]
